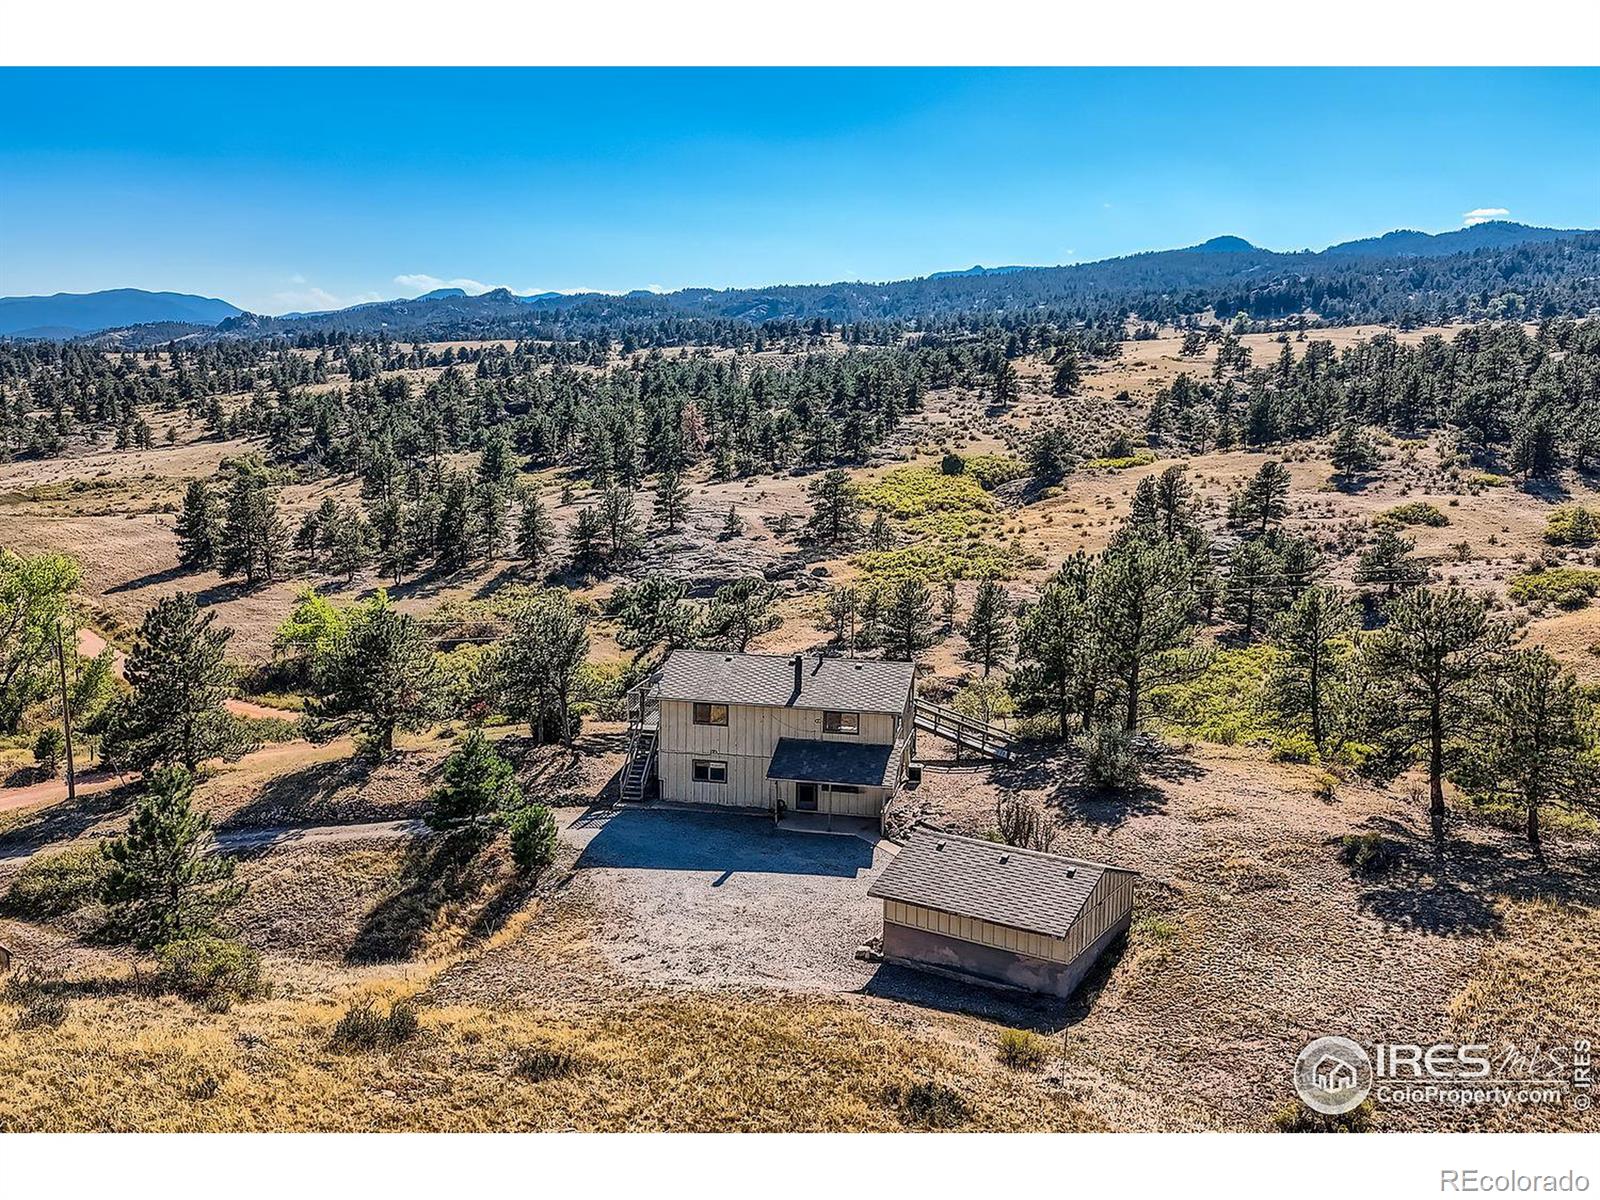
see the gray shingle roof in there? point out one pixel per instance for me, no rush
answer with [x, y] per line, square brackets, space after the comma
[846, 684]
[968, 877]
[833, 762]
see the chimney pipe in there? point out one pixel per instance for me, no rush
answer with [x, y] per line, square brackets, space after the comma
[798, 668]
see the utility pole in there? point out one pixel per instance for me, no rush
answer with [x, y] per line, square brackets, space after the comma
[66, 712]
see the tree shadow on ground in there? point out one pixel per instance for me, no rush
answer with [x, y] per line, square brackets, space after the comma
[150, 579]
[1054, 774]
[438, 873]
[1047, 1015]
[1453, 891]
[66, 820]
[310, 793]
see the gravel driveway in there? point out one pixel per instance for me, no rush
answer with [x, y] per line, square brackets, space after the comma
[709, 900]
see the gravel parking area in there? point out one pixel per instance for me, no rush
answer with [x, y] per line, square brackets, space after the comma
[725, 900]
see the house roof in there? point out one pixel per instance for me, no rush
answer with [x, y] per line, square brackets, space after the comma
[968, 877]
[845, 684]
[850, 763]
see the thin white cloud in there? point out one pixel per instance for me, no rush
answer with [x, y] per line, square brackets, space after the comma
[1479, 215]
[317, 299]
[420, 283]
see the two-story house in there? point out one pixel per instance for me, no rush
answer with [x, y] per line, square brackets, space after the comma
[797, 733]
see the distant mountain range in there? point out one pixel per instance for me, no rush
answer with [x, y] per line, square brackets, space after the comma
[68, 315]
[1349, 281]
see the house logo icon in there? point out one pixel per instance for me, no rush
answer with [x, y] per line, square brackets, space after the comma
[1333, 1075]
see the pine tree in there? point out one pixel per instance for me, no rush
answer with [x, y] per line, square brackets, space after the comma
[836, 507]
[652, 615]
[1264, 501]
[1352, 453]
[989, 630]
[621, 521]
[164, 880]
[536, 532]
[479, 788]
[588, 538]
[1308, 634]
[672, 501]
[535, 667]
[740, 612]
[1432, 657]
[732, 525]
[199, 527]
[1540, 742]
[907, 628]
[1067, 377]
[349, 543]
[839, 617]
[180, 677]
[880, 536]
[255, 540]
[1388, 562]
[1059, 660]
[1143, 605]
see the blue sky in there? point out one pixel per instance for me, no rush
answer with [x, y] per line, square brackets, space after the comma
[301, 189]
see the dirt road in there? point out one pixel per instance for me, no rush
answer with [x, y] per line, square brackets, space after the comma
[91, 643]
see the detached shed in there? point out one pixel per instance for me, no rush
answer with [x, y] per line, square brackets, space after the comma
[996, 914]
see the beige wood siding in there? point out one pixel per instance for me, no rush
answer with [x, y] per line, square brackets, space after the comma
[868, 802]
[1111, 900]
[746, 744]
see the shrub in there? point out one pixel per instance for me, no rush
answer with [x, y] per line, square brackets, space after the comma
[1294, 747]
[1020, 822]
[41, 1007]
[1570, 526]
[1418, 512]
[363, 1028]
[1109, 759]
[1367, 853]
[49, 748]
[952, 463]
[1021, 1050]
[1570, 587]
[993, 470]
[202, 1085]
[1227, 702]
[1295, 1117]
[533, 838]
[211, 971]
[930, 1105]
[541, 1063]
[911, 491]
[1121, 462]
[53, 885]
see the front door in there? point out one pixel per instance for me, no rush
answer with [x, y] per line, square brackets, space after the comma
[805, 797]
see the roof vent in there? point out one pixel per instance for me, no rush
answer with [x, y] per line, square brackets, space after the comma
[1005, 858]
[1071, 871]
[940, 846]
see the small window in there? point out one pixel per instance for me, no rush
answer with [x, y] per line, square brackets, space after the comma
[707, 770]
[844, 789]
[841, 722]
[710, 714]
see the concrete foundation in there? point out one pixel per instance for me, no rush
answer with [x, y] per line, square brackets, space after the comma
[942, 955]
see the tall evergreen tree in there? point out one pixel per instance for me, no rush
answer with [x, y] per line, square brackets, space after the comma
[1309, 634]
[164, 880]
[672, 501]
[536, 532]
[377, 676]
[180, 677]
[199, 527]
[536, 667]
[835, 509]
[740, 612]
[1143, 604]
[989, 630]
[907, 620]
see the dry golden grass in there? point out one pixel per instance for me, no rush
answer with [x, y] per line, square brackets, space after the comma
[688, 1063]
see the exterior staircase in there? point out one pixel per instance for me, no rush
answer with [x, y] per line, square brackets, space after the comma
[966, 732]
[641, 764]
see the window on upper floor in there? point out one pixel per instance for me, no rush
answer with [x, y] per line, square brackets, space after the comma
[710, 714]
[841, 722]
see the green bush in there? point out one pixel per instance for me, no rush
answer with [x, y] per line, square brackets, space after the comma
[1418, 512]
[911, 491]
[1109, 759]
[930, 1105]
[1227, 702]
[1021, 1050]
[1367, 854]
[211, 971]
[363, 1028]
[951, 463]
[1569, 587]
[993, 470]
[1571, 526]
[50, 748]
[1121, 462]
[52, 885]
[1294, 746]
[532, 830]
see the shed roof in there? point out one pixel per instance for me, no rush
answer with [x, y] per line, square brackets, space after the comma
[849, 763]
[968, 877]
[844, 684]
